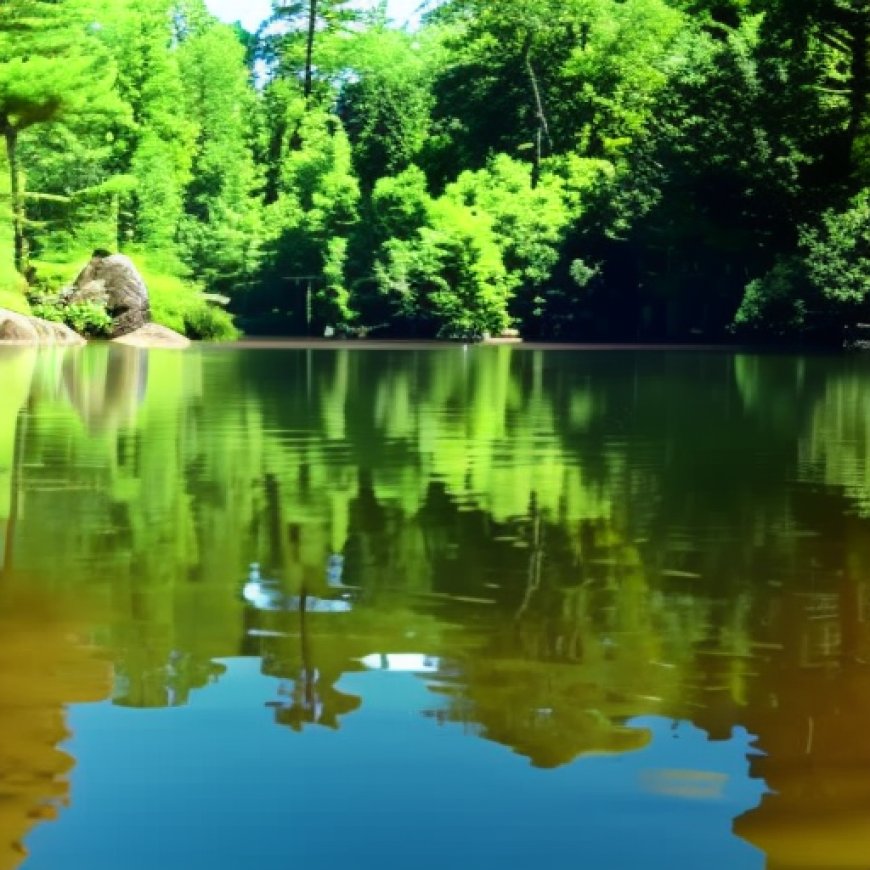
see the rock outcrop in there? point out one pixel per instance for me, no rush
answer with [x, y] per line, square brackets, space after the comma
[23, 329]
[152, 335]
[113, 281]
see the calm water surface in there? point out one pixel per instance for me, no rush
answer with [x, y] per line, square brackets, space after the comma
[485, 608]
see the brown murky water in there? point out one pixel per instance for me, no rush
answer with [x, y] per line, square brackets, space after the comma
[492, 607]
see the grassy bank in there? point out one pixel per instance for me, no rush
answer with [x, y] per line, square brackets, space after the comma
[13, 299]
[12, 285]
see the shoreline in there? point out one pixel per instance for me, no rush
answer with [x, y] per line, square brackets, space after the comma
[291, 343]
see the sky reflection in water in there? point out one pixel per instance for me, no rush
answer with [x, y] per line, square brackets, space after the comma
[391, 790]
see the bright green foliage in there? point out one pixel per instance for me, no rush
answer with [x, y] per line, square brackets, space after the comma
[386, 108]
[220, 230]
[12, 283]
[307, 226]
[190, 155]
[12, 300]
[618, 67]
[822, 289]
[401, 204]
[455, 265]
[597, 65]
[317, 176]
[332, 299]
[837, 253]
[87, 318]
[179, 304]
[160, 150]
[576, 168]
[172, 175]
[79, 209]
[528, 222]
[52, 69]
[450, 280]
[294, 39]
[52, 65]
[387, 120]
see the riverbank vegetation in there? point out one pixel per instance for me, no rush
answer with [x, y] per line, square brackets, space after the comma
[580, 169]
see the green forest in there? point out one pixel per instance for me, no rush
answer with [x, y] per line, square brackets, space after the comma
[567, 169]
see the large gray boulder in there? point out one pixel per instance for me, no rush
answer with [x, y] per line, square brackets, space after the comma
[112, 280]
[23, 329]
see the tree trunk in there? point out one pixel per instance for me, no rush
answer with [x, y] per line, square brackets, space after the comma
[16, 196]
[543, 128]
[309, 47]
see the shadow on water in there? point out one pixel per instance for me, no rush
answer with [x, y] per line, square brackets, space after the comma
[570, 554]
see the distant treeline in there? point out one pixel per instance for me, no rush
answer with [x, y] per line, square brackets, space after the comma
[573, 169]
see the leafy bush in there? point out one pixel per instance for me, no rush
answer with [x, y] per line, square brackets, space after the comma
[527, 222]
[47, 311]
[772, 304]
[86, 318]
[450, 280]
[824, 287]
[401, 205]
[837, 253]
[179, 304]
[208, 323]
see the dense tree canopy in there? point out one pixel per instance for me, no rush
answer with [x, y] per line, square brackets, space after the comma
[583, 169]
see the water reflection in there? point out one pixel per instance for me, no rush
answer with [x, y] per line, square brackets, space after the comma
[17, 369]
[558, 548]
[45, 664]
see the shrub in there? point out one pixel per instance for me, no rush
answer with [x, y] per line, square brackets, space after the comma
[208, 323]
[178, 303]
[47, 311]
[89, 319]
[775, 303]
[86, 318]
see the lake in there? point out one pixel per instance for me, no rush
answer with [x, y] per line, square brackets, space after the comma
[483, 607]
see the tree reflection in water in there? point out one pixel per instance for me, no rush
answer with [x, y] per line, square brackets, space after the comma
[46, 663]
[576, 540]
